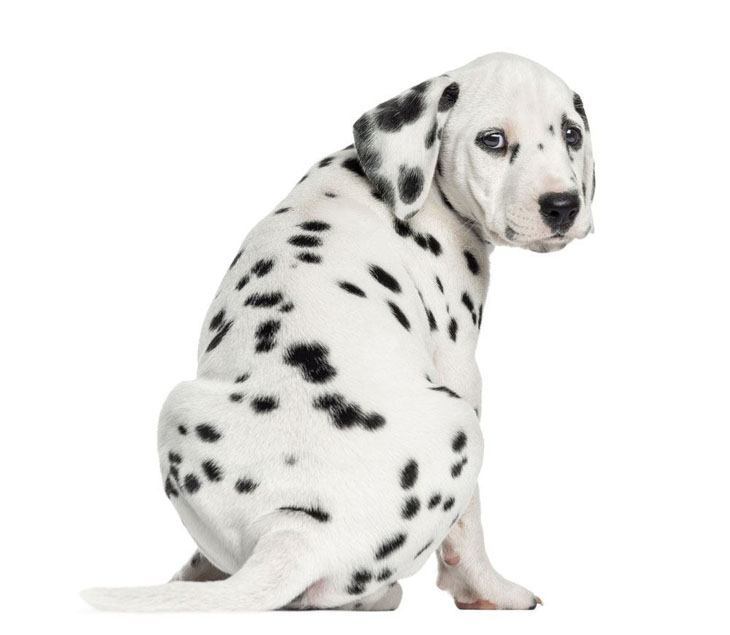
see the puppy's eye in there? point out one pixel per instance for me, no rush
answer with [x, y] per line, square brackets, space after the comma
[573, 136]
[492, 140]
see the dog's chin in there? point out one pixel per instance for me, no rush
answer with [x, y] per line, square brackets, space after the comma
[547, 246]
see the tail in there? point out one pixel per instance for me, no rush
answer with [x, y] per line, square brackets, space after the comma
[281, 567]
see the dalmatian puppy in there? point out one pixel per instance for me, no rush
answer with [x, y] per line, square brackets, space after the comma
[331, 440]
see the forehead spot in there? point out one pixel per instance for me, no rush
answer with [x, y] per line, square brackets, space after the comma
[540, 146]
[551, 129]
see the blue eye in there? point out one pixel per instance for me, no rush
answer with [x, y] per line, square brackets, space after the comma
[573, 136]
[491, 140]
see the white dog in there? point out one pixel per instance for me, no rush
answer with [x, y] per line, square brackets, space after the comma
[331, 441]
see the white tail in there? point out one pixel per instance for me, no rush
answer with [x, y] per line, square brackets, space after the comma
[281, 567]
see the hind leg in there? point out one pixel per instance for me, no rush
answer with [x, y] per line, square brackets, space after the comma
[198, 569]
[466, 573]
[385, 599]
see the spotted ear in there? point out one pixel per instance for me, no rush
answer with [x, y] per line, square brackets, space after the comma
[589, 167]
[398, 143]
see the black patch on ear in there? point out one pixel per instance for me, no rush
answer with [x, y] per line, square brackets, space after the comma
[422, 87]
[580, 109]
[431, 136]
[410, 183]
[384, 188]
[514, 150]
[384, 278]
[391, 115]
[346, 414]
[389, 546]
[449, 97]
[312, 360]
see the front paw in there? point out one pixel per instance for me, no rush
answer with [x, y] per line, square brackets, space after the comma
[479, 590]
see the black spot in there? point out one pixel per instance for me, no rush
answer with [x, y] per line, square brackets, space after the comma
[446, 390]
[311, 359]
[217, 320]
[471, 262]
[352, 164]
[290, 460]
[431, 320]
[262, 267]
[266, 335]
[314, 226]
[514, 150]
[389, 546]
[439, 285]
[236, 397]
[351, 288]
[540, 146]
[309, 257]
[410, 183]
[399, 315]
[182, 430]
[479, 320]
[551, 129]
[305, 240]
[241, 378]
[423, 549]
[434, 500]
[391, 115]
[467, 301]
[458, 443]
[207, 433]
[421, 241]
[218, 337]
[192, 484]
[422, 87]
[384, 574]
[409, 474]
[245, 485]
[243, 282]
[285, 308]
[449, 97]
[174, 457]
[264, 403]
[411, 506]
[346, 414]
[401, 228]
[385, 190]
[431, 136]
[282, 210]
[263, 300]
[453, 328]
[170, 488]
[325, 162]
[456, 468]
[434, 245]
[318, 514]
[235, 259]
[384, 278]
[359, 581]
[330, 195]
[449, 503]
[212, 470]
[580, 109]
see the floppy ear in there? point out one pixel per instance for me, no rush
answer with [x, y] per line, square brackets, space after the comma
[589, 167]
[398, 143]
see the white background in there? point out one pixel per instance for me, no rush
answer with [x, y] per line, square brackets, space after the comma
[140, 141]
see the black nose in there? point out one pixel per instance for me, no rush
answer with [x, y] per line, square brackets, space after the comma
[559, 209]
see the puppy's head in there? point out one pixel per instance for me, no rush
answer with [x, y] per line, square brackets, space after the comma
[505, 141]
